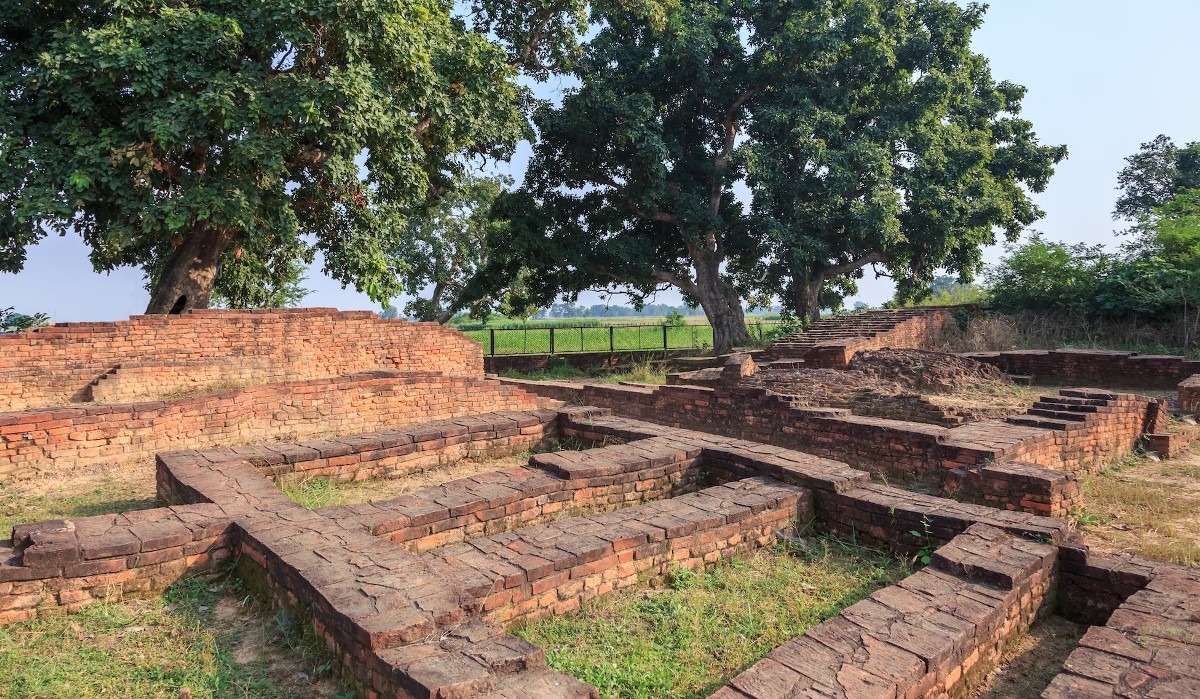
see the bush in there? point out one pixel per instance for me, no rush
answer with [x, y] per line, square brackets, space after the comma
[11, 321]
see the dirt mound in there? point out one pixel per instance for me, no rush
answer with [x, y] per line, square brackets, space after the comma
[927, 372]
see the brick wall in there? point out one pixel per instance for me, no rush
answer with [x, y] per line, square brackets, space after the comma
[831, 343]
[54, 366]
[1018, 487]
[59, 439]
[533, 574]
[1072, 367]
[1108, 425]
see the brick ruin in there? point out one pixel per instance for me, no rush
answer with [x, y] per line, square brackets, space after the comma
[412, 595]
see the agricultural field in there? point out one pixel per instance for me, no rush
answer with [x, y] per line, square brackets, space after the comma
[555, 337]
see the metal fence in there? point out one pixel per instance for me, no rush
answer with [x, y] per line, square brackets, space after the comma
[606, 338]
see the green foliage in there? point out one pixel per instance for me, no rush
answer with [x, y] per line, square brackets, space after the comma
[444, 245]
[867, 130]
[288, 128]
[1154, 176]
[1156, 277]
[11, 321]
[885, 142]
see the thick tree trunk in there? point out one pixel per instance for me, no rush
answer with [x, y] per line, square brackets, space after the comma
[806, 296]
[188, 277]
[721, 304]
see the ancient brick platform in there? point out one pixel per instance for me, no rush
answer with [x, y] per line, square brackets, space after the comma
[1064, 434]
[1085, 367]
[151, 356]
[544, 539]
[42, 441]
[830, 343]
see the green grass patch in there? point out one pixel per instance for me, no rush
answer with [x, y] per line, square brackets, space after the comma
[19, 503]
[693, 636]
[154, 648]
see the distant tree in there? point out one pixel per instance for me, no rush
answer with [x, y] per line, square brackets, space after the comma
[11, 321]
[443, 246]
[1155, 175]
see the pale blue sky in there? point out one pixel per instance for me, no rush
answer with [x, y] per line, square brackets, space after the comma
[1103, 77]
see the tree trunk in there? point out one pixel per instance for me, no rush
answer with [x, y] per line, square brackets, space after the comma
[187, 279]
[806, 296]
[721, 304]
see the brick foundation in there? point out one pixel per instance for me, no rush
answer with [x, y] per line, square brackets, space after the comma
[1018, 487]
[831, 343]
[59, 439]
[1072, 367]
[57, 365]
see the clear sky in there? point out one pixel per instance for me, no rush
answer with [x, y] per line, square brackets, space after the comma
[1104, 76]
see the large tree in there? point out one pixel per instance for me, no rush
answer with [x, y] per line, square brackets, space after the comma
[881, 139]
[173, 135]
[1155, 175]
[867, 131]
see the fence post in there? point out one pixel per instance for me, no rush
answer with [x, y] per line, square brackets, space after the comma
[551, 339]
[611, 346]
[664, 338]
[492, 340]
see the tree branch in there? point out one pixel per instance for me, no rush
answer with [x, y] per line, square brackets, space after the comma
[868, 259]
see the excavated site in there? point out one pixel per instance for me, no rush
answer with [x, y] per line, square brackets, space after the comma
[533, 500]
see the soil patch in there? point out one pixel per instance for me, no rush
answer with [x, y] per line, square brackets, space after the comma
[1031, 663]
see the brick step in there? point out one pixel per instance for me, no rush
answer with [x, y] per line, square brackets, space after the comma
[544, 684]
[473, 659]
[1067, 415]
[1077, 405]
[1042, 422]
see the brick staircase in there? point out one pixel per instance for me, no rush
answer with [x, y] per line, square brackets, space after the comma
[833, 342]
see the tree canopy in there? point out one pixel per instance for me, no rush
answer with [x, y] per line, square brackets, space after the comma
[867, 131]
[1155, 175]
[191, 138]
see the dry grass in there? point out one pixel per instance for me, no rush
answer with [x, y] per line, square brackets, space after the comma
[314, 493]
[1026, 330]
[1143, 506]
[82, 493]
[1031, 662]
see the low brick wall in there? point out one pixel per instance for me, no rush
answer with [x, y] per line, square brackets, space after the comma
[131, 382]
[935, 634]
[1080, 367]
[567, 483]
[1018, 487]
[60, 439]
[1142, 641]
[57, 365]
[1069, 432]
[831, 343]
[533, 363]
[555, 568]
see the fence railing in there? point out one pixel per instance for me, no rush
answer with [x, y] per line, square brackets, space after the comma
[605, 338]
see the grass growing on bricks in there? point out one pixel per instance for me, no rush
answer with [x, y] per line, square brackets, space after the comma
[696, 633]
[208, 636]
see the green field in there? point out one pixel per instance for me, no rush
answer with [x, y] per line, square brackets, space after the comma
[613, 337]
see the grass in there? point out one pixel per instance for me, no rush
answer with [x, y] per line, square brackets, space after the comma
[695, 635]
[34, 501]
[638, 372]
[1147, 507]
[609, 337]
[195, 636]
